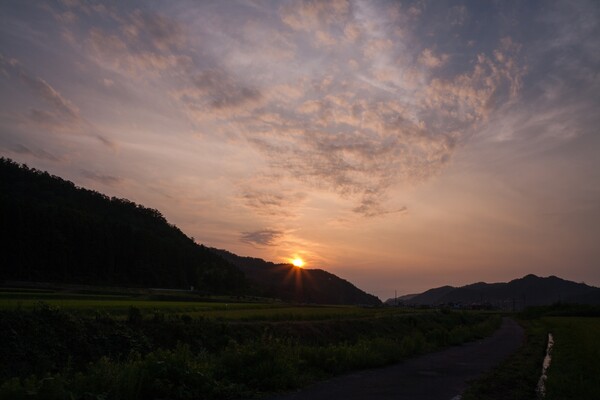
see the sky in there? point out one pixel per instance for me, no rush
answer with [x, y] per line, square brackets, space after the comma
[400, 145]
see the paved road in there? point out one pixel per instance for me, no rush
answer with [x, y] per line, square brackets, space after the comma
[436, 376]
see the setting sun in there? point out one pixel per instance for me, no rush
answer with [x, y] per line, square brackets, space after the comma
[297, 262]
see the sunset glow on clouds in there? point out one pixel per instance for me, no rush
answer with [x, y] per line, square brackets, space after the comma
[400, 145]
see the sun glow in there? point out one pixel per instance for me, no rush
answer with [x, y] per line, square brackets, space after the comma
[298, 262]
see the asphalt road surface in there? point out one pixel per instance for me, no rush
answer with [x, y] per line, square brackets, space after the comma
[436, 376]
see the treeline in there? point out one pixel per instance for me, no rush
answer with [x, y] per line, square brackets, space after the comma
[54, 231]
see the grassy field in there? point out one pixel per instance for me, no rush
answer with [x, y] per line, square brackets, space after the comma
[131, 346]
[119, 305]
[575, 365]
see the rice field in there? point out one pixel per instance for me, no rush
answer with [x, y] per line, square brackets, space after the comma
[119, 305]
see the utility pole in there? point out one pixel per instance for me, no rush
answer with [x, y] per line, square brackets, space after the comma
[395, 297]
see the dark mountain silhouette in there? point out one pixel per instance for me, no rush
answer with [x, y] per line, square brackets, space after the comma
[431, 295]
[530, 290]
[54, 231]
[290, 283]
[400, 299]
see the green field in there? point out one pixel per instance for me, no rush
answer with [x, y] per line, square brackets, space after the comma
[119, 305]
[70, 345]
[575, 366]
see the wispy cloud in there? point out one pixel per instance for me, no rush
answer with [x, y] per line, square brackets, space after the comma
[62, 115]
[265, 237]
[360, 127]
[63, 108]
[217, 90]
[272, 201]
[371, 207]
[144, 43]
[558, 101]
[112, 51]
[108, 180]
[359, 140]
[37, 153]
[344, 97]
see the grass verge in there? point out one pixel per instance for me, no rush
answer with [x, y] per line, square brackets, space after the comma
[575, 365]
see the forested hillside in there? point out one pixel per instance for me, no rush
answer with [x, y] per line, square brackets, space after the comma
[53, 231]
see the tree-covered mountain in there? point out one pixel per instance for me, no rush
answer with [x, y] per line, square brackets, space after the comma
[290, 283]
[54, 231]
[530, 290]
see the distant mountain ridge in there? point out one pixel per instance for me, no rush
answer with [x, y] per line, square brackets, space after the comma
[294, 284]
[531, 290]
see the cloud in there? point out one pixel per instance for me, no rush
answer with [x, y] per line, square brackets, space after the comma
[267, 200]
[62, 116]
[144, 43]
[139, 25]
[372, 208]
[41, 89]
[37, 153]
[355, 128]
[265, 237]
[319, 19]
[113, 52]
[220, 90]
[45, 118]
[163, 33]
[430, 60]
[108, 180]
[106, 141]
[64, 107]
[342, 97]
[559, 95]
[471, 96]
[359, 140]
[310, 15]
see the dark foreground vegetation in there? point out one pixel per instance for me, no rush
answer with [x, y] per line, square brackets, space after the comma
[575, 366]
[51, 353]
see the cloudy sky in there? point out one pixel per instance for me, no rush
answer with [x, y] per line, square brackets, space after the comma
[399, 145]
